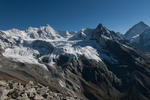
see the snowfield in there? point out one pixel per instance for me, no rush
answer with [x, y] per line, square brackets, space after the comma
[34, 44]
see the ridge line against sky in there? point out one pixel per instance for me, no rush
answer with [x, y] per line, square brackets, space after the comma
[73, 15]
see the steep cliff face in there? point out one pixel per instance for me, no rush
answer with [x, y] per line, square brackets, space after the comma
[92, 64]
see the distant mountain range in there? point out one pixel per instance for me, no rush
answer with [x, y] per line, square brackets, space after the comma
[92, 64]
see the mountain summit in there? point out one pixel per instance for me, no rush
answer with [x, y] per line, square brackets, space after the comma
[135, 30]
[139, 35]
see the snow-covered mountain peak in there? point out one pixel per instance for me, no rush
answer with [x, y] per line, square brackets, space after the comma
[49, 29]
[135, 30]
[31, 29]
[14, 31]
[141, 22]
[139, 35]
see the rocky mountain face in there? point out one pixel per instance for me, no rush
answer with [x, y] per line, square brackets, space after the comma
[92, 64]
[139, 35]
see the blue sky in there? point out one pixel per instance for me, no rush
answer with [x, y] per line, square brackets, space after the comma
[72, 15]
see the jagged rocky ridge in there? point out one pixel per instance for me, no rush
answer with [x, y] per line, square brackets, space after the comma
[93, 64]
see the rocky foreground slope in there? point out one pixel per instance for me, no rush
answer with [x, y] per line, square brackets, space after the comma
[92, 64]
[29, 91]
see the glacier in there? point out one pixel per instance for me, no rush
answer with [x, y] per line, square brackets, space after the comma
[34, 44]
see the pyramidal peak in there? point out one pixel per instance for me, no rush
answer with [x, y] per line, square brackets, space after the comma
[48, 26]
[31, 29]
[47, 32]
[141, 23]
[102, 29]
[135, 30]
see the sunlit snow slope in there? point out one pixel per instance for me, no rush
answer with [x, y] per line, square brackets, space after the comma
[44, 44]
